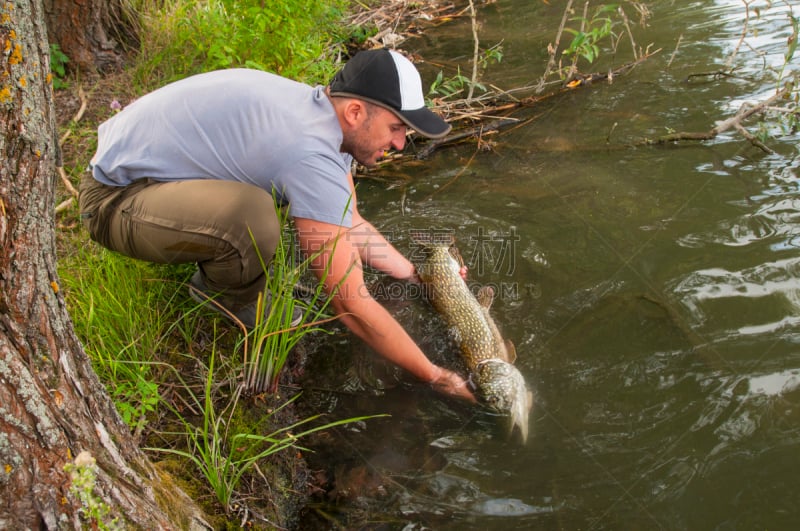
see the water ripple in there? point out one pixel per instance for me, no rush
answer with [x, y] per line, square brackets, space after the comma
[773, 282]
[778, 220]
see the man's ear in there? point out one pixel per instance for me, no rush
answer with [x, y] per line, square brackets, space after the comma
[354, 112]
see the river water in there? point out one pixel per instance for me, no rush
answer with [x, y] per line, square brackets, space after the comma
[652, 294]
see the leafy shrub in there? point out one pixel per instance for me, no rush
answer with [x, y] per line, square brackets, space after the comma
[287, 37]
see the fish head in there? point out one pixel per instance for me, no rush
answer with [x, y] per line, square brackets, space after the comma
[501, 387]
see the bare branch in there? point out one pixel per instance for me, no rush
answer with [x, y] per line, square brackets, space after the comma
[729, 62]
[475, 51]
[552, 49]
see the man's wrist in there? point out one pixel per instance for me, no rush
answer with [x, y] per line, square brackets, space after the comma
[436, 375]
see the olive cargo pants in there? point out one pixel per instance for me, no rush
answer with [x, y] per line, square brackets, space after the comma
[223, 226]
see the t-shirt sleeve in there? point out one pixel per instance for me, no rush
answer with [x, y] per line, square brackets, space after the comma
[317, 188]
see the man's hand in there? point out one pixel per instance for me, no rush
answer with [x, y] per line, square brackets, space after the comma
[450, 383]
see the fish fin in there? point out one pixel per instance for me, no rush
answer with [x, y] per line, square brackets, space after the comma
[511, 351]
[454, 252]
[485, 296]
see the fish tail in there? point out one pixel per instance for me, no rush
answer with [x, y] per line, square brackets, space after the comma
[519, 418]
[521, 408]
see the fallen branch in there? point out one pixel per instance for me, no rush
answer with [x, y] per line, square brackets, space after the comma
[490, 102]
[734, 122]
[715, 76]
[391, 15]
[462, 134]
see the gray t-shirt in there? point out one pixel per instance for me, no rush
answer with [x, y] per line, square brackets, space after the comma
[239, 125]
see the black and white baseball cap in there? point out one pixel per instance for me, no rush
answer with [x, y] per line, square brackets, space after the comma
[386, 78]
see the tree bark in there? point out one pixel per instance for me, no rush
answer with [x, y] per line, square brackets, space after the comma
[94, 34]
[52, 406]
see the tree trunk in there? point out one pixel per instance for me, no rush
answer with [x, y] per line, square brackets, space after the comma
[94, 34]
[52, 406]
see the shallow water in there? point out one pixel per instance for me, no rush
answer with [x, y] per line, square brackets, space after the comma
[652, 294]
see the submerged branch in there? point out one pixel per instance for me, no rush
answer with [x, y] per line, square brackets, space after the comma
[462, 134]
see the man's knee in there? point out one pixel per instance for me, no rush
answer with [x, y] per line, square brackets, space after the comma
[254, 216]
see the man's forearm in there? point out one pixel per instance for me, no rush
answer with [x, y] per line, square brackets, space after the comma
[376, 251]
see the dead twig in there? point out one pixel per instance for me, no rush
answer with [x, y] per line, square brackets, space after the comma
[78, 115]
[753, 140]
[61, 173]
[65, 179]
[626, 22]
[715, 76]
[63, 205]
[675, 51]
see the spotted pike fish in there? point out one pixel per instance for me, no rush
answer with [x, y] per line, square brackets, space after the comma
[498, 383]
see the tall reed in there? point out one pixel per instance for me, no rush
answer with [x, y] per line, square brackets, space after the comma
[266, 348]
[224, 456]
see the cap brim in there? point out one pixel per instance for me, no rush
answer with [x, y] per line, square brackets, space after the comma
[425, 122]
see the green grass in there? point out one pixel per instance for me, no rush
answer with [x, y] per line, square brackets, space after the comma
[266, 348]
[125, 313]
